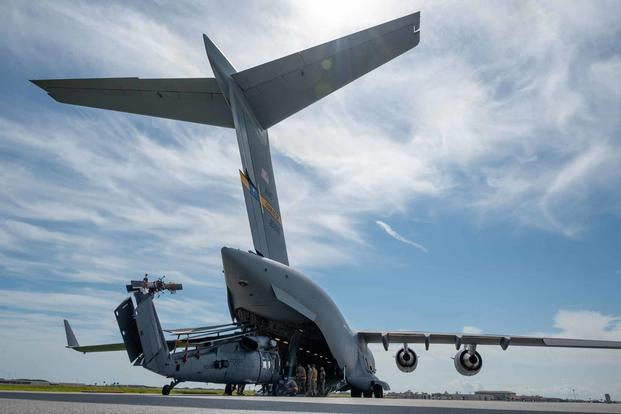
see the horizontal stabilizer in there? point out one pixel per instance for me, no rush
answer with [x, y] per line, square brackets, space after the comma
[125, 314]
[192, 99]
[280, 88]
[72, 343]
[99, 348]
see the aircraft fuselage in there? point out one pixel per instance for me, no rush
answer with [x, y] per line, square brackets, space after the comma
[276, 292]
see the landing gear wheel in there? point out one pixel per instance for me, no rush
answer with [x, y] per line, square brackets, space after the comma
[356, 393]
[368, 394]
[166, 390]
[228, 389]
[378, 391]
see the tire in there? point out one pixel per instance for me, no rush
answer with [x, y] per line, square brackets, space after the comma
[356, 393]
[378, 391]
[228, 389]
[166, 390]
[368, 394]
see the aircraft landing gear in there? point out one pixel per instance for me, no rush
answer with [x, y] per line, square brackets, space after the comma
[166, 389]
[378, 391]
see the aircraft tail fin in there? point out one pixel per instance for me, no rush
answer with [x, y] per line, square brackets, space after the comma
[257, 175]
[126, 318]
[280, 88]
[72, 342]
[149, 333]
[217, 58]
[221, 66]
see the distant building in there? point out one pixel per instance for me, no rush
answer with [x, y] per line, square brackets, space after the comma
[496, 395]
[24, 381]
[484, 395]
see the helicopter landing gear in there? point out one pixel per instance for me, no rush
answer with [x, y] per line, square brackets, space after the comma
[166, 389]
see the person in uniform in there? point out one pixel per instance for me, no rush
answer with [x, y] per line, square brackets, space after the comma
[291, 388]
[314, 381]
[309, 384]
[322, 382]
[300, 378]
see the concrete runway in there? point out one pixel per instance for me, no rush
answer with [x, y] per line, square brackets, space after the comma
[41, 402]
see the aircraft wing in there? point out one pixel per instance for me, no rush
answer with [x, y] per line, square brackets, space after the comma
[280, 88]
[192, 99]
[458, 339]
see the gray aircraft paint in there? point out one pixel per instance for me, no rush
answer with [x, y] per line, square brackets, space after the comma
[267, 231]
[268, 280]
[252, 101]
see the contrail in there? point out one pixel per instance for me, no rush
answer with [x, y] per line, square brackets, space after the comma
[392, 233]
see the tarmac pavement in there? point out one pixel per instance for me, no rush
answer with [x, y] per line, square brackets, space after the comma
[15, 402]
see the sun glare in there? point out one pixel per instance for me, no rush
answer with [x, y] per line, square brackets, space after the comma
[330, 18]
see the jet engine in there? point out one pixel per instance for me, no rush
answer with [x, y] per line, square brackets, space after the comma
[406, 359]
[468, 362]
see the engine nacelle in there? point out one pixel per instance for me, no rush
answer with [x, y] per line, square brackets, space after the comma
[468, 362]
[406, 359]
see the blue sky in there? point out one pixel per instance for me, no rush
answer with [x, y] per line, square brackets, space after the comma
[469, 185]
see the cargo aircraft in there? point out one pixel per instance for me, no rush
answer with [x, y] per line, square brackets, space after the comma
[280, 316]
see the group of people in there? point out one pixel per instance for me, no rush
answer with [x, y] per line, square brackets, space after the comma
[231, 388]
[311, 382]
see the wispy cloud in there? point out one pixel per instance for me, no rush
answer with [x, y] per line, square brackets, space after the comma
[490, 132]
[392, 233]
[485, 123]
[587, 324]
